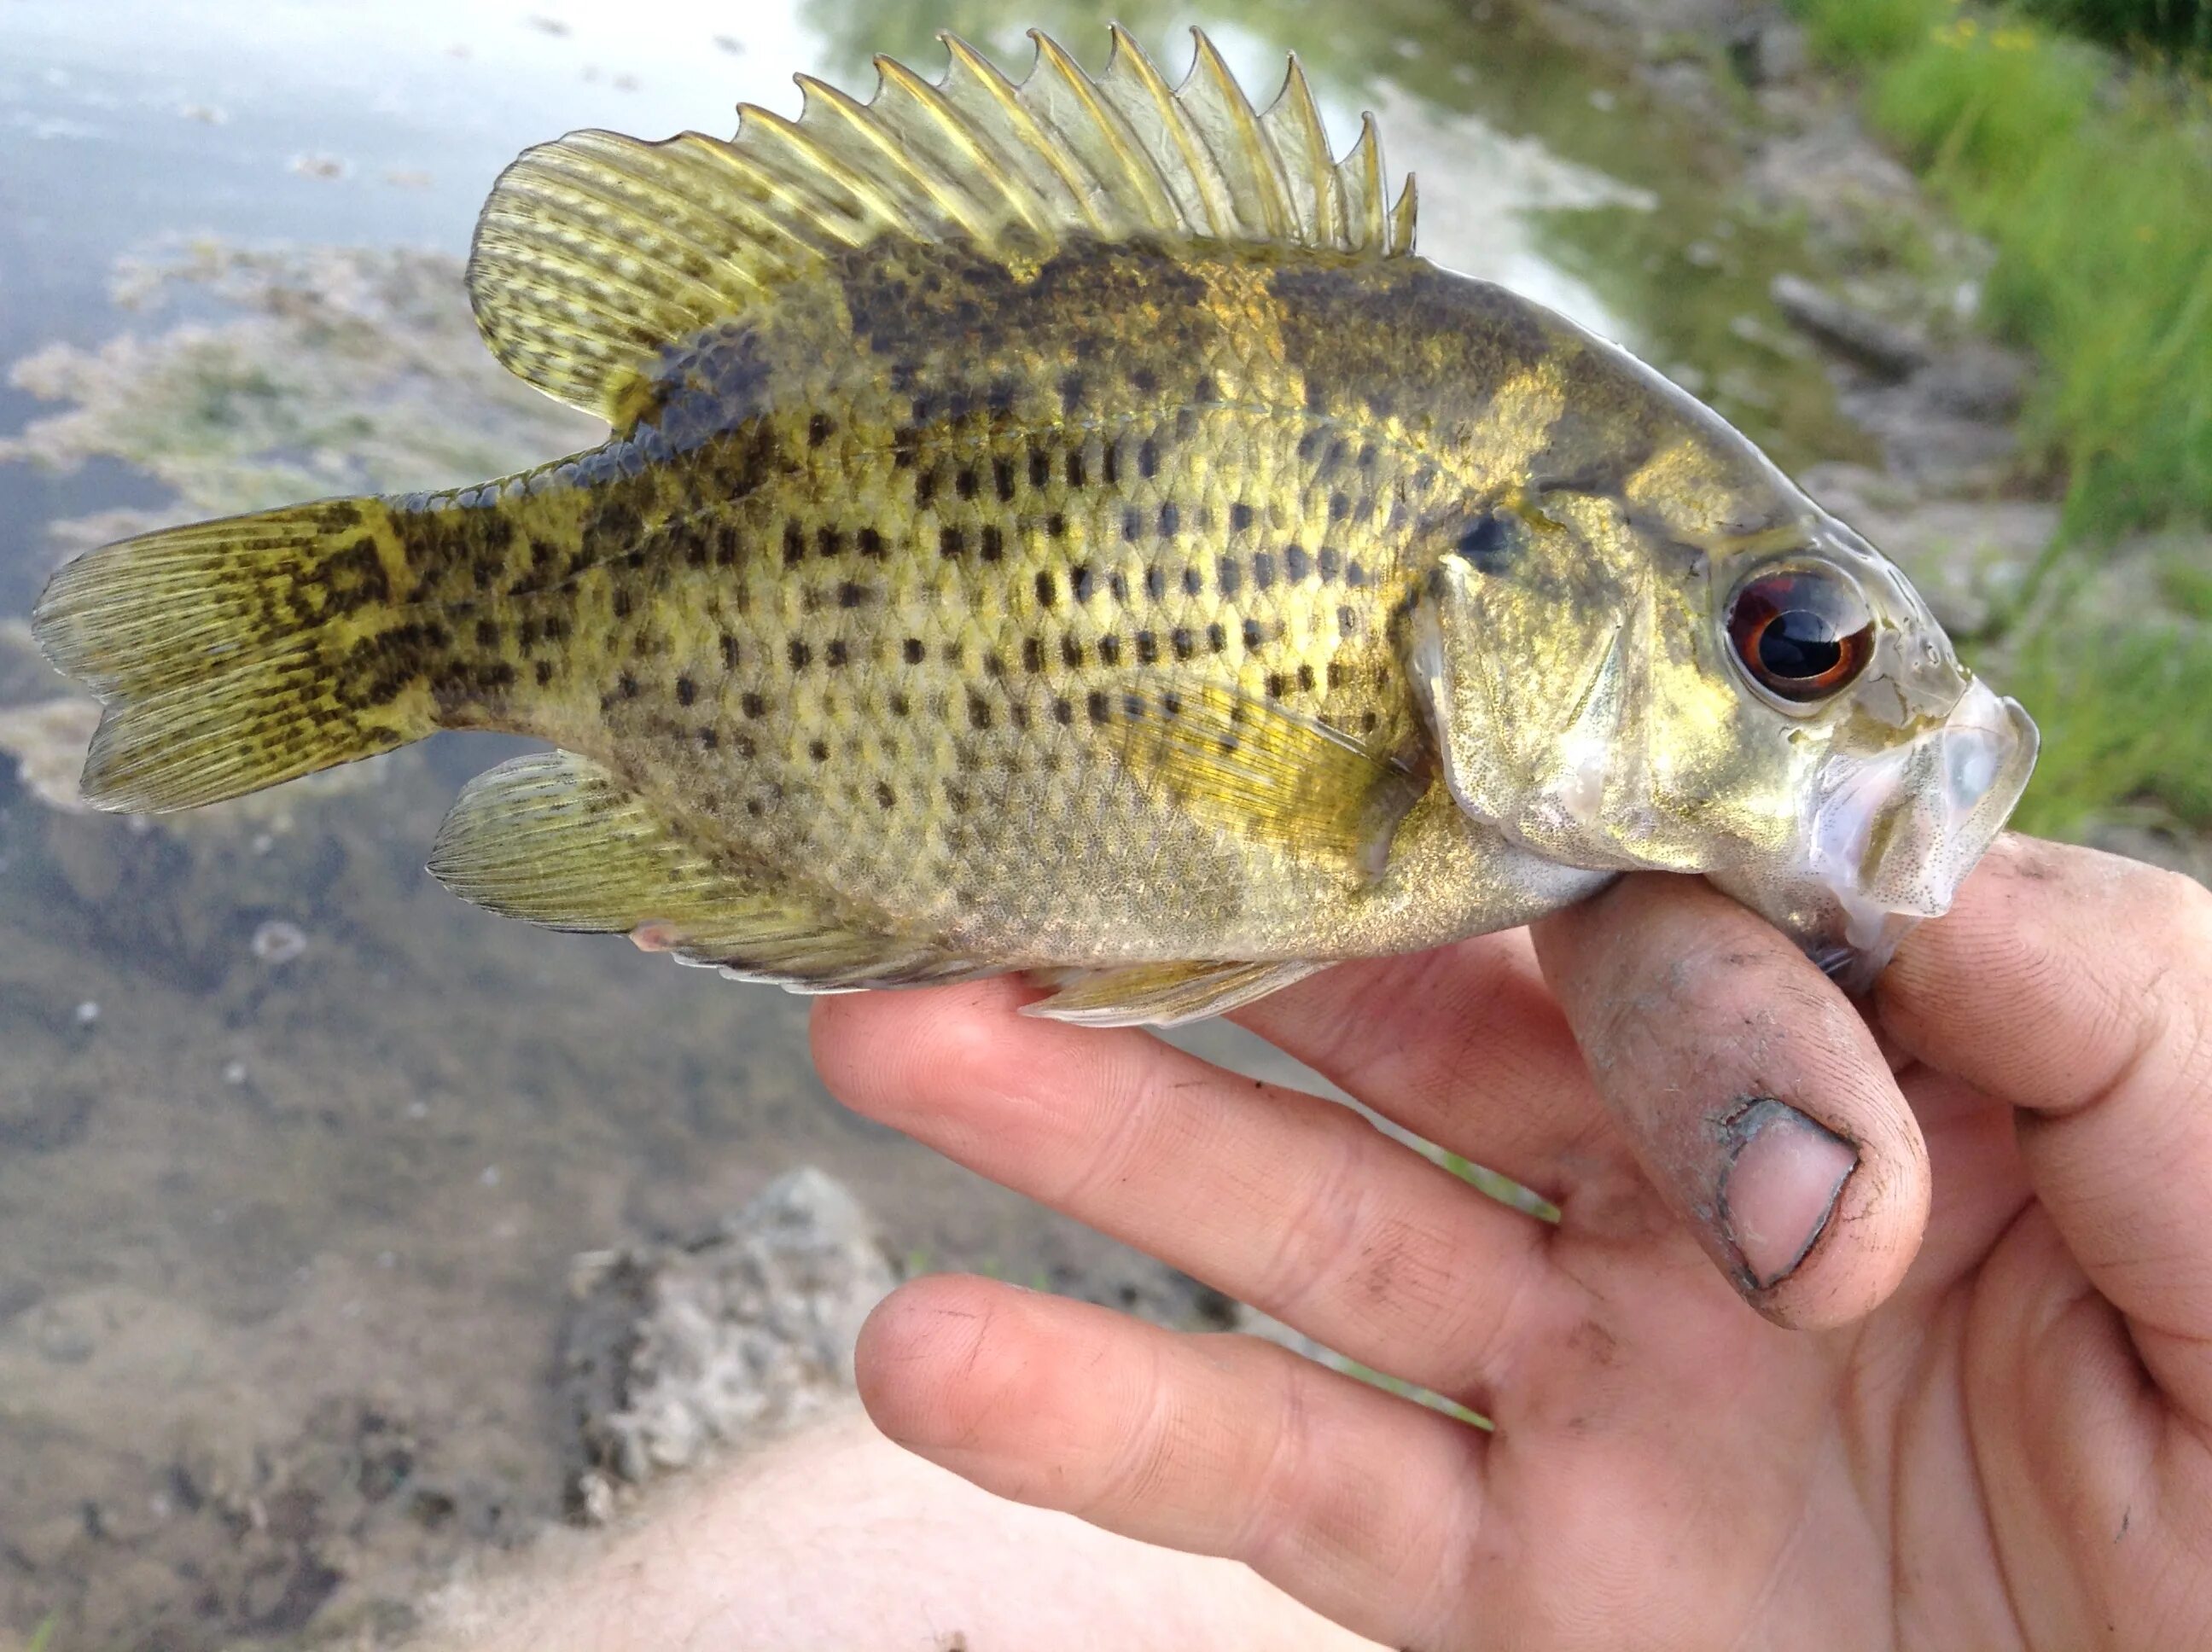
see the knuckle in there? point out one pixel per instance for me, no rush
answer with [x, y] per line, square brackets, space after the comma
[1279, 1494]
[1148, 1460]
[1321, 1228]
[1127, 1129]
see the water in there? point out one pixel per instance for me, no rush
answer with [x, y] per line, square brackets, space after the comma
[294, 1148]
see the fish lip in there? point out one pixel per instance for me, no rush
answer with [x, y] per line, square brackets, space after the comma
[1890, 836]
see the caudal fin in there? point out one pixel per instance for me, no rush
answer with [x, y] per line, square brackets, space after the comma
[234, 654]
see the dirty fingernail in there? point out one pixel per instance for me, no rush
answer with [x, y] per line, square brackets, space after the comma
[1783, 1177]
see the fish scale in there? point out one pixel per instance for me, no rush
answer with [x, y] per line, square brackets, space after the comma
[950, 681]
[1056, 526]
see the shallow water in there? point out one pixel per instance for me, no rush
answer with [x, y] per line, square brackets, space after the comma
[294, 1148]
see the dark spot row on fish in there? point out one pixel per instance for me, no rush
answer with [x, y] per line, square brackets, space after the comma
[1261, 569]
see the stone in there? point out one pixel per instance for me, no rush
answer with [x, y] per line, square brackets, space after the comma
[1865, 339]
[674, 1351]
[1768, 49]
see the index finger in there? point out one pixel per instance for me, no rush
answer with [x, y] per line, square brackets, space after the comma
[2076, 986]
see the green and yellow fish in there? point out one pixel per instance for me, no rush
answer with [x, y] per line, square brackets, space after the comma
[1063, 526]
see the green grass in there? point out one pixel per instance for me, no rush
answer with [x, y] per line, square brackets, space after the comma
[2094, 183]
[1868, 31]
[2185, 584]
[2176, 26]
[2126, 715]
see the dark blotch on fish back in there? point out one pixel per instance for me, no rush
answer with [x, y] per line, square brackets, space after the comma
[1367, 335]
[916, 309]
[355, 579]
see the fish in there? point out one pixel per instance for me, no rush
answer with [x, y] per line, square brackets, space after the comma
[1063, 526]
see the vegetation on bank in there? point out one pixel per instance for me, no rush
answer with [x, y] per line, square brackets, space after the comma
[2126, 717]
[2177, 26]
[2092, 176]
[2090, 171]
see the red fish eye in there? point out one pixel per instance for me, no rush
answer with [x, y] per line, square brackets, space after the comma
[1801, 633]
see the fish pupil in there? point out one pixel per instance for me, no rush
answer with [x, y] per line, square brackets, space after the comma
[1798, 643]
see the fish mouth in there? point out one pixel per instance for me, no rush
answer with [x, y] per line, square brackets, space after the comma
[1894, 834]
[1889, 836]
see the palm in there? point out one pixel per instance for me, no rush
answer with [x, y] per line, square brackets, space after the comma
[1722, 1473]
[1669, 1469]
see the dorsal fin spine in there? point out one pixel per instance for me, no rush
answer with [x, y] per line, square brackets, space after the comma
[952, 195]
[788, 197]
[1364, 163]
[771, 131]
[1294, 115]
[1128, 65]
[1401, 216]
[819, 95]
[1137, 165]
[1251, 155]
[933, 122]
[1006, 99]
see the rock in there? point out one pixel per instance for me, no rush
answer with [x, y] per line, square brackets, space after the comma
[1768, 49]
[1867, 340]
[1939, 451]
[1831, 167]
[2172, 847]
[48, 739]
[673, 1351]
[1977, 381]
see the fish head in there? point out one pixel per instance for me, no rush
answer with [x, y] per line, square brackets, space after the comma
[1704, 672]
[1888, 766]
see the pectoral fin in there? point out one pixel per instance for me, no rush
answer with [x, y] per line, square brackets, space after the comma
[1249, 767]
[1163, 994]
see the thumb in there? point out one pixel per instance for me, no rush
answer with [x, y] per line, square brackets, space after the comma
[1749, 1090]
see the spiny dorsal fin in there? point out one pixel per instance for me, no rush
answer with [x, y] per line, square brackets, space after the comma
[595, 252]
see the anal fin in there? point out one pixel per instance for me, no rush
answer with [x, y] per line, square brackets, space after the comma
[1162, 994]
[557, 839]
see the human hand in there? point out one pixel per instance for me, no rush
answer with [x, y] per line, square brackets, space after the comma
[2001, 1437]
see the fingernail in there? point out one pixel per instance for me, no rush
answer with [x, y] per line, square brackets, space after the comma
[1783, 1177]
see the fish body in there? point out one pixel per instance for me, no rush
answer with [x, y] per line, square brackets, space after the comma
[1135, 567]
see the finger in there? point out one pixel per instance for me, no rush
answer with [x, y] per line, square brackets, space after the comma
[1359, 1503]
[2078, 987]
[1291, 1203]
[1752, 1093]
[1463, 1046]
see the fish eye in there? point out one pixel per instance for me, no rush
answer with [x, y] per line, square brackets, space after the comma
[1803, 633]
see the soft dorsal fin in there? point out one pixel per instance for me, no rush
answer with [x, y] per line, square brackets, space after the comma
[595, 252]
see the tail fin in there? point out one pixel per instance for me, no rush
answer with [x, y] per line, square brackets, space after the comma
[231, 655]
